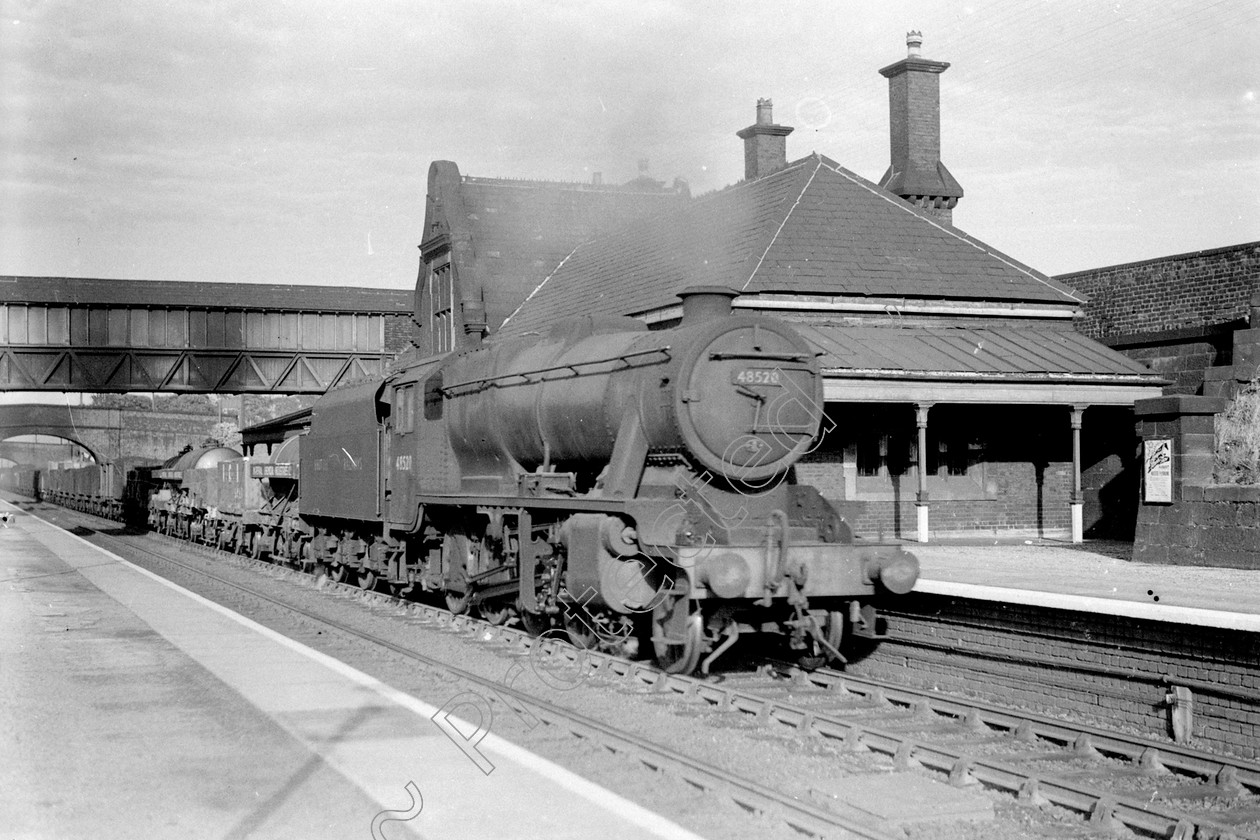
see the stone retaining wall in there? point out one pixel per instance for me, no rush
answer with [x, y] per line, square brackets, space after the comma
[1102, 669]
[1199, 523]
[1210, 525]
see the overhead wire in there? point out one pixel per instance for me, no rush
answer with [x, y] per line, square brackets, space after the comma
[1086, 53]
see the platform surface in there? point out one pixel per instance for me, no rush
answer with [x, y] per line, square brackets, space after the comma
[132, 708]
[1091, 577]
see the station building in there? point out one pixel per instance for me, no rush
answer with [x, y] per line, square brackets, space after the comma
[960, 398]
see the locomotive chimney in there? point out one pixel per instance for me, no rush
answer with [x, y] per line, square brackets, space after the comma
[914, 117]
[704, 303]
[765, 144]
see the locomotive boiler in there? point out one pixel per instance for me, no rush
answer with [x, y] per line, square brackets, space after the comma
[625, 484]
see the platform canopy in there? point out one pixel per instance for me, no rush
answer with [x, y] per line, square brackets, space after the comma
[1013, 364]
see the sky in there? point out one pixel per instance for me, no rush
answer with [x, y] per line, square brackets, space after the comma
[289, 142]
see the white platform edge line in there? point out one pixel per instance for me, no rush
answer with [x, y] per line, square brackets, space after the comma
[1088, 603]
[631, 811]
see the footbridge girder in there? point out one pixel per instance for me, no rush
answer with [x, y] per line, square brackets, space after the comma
[73, 334]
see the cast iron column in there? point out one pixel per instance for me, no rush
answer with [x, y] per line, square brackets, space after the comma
[921, 500]
[1078, 498]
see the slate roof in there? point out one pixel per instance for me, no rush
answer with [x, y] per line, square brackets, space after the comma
[179, 295]
[522, 230]
[811, 228]
[1008, 353]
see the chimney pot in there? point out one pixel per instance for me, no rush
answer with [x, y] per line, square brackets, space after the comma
[765, 112]
[914, 43]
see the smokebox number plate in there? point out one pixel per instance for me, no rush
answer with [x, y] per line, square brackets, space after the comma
[757, 376]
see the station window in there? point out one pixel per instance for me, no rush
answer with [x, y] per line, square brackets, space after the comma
[441, 294]
[881, 445]
[874, 453]
[954, 445]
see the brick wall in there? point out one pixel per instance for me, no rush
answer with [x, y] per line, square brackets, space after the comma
[1019, 507]
[1169, 293]
[1095, 668]
[398, 332]
[1175, 313]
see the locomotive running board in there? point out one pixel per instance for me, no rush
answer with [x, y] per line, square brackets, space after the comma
[588, 505]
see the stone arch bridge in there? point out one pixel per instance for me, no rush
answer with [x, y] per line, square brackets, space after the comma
[108, 433]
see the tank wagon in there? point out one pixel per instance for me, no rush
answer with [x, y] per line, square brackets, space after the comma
[200, 492]
[624, 484]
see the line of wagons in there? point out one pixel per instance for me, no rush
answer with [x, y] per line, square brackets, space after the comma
[209, 494]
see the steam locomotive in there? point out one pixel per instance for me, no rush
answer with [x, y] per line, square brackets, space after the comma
[624, 486]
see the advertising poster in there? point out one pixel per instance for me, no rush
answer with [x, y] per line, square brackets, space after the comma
[1157, 471]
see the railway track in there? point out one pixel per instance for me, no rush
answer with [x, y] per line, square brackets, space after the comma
[804, 818]
[1110, 781]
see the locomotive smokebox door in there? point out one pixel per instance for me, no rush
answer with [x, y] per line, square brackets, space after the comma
[750, 400]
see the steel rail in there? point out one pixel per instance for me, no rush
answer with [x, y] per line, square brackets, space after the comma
[1162, 680]
[1176, 758]
[803, 817]
[1102, 808]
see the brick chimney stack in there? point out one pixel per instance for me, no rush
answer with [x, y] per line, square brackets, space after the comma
[765, 144]
[914, 116]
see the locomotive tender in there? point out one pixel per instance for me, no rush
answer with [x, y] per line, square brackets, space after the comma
[615, 481]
